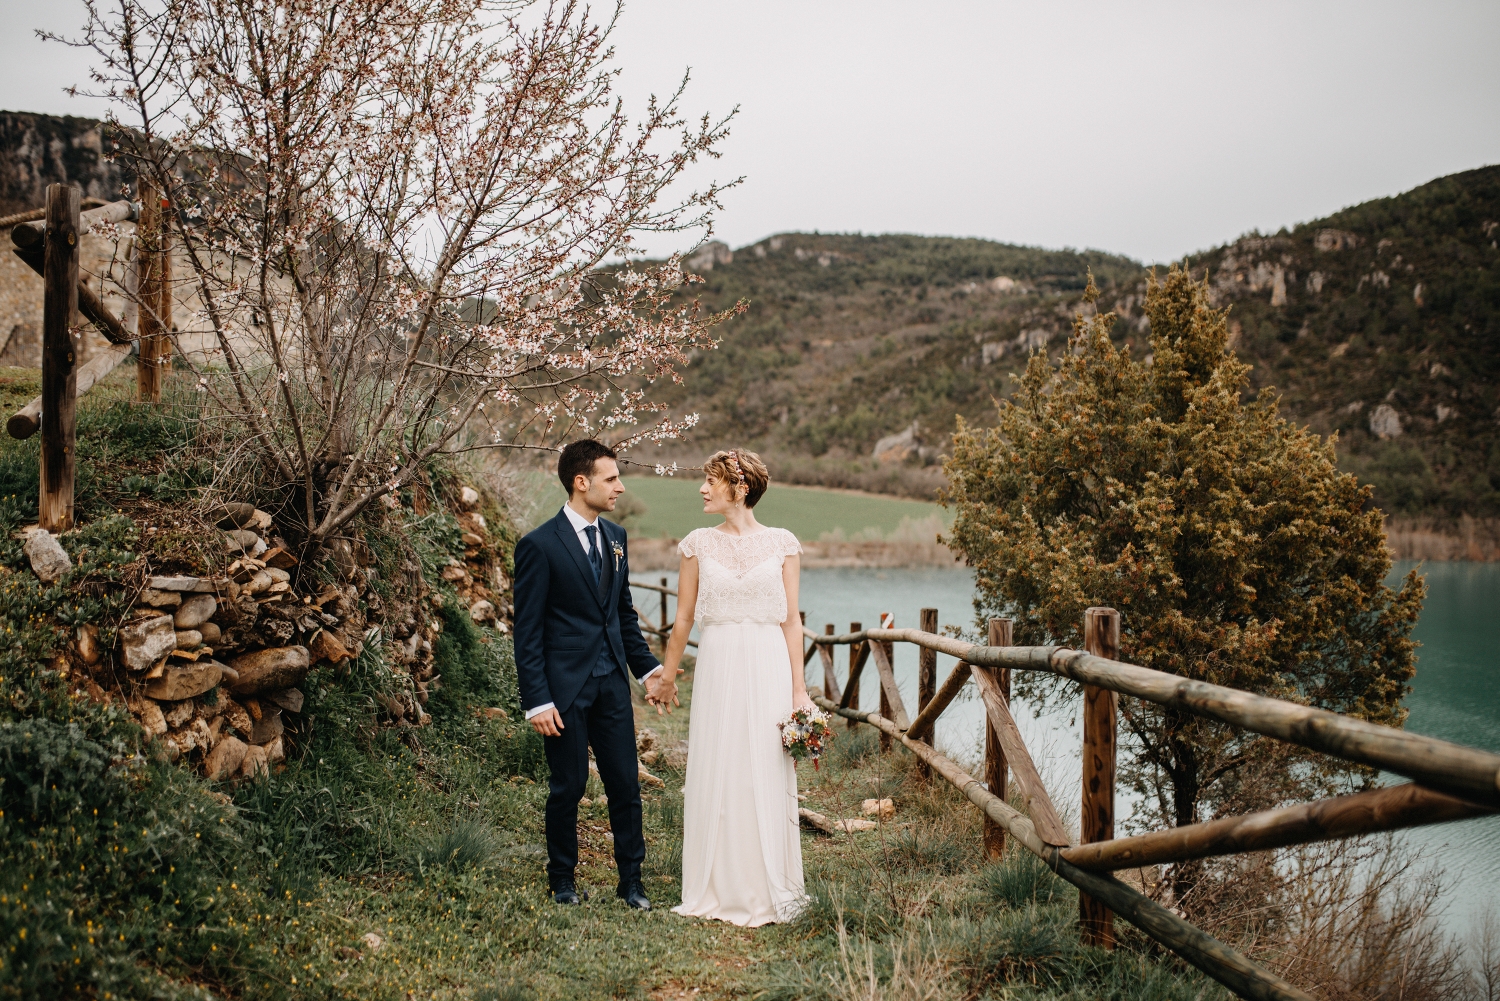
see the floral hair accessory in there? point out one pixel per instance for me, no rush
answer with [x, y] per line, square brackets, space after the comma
[734, 463]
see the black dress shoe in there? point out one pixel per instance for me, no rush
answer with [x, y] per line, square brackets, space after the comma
[634, 894]
[566, 893]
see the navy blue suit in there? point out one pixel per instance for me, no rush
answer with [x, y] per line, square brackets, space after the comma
[575, 640]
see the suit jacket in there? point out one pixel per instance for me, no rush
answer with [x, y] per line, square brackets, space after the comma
[563, 619]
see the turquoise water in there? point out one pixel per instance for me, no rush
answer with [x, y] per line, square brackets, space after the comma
[1455, 696]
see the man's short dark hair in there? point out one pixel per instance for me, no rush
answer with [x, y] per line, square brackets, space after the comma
[578, 459]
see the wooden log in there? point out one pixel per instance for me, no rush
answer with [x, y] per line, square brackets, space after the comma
[926, 677]
[923, 725]
[830, 676]
[858, 653]
[25, 422]
[1390, 809]
[1214, 958]
[995, 768]
[1043, 814]
[32, 234]
[887, 621]
[155, 296]
[891, 702]
[59, 358]
[1101, 637]
[1465, 772]
[89, 303]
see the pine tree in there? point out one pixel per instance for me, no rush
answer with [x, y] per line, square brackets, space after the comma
[1235, 550]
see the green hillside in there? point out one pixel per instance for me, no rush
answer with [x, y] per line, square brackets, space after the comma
[1380, 322]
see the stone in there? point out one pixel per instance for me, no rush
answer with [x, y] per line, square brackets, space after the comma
[236, 514]
[88, 643]
[280, 558]
[151, 718]
[289, 699]
[183, 681]
[210, 632]
[198, 584]
[372, 941]
[885, 809]
[243, 540]
[646, 739]
[491, 713]
[471, 539]
[49, 560]
[146, 641]
[266, 670]
[482, 612]
[261, 520]
[160, 599]
[268, 727]
[225, 759]
[254, 763]
[278, 575]
[454, 574]
[275, 752]
[897, 447]
[675, 757]
[1385, 422]
[237, 716]
[478, 519]
[195, 611]
[468, 497]
[179, 713]
[189, 639]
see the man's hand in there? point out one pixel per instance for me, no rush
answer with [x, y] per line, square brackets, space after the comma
[661, 690]
[548, 723]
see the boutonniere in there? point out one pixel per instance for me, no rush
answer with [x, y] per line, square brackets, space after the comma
[619, 552]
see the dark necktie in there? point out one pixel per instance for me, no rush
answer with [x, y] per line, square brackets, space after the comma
[595, 560]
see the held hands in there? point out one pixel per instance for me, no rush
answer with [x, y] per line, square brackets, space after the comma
[661, 690]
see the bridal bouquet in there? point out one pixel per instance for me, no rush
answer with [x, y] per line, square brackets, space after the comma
[805, 733]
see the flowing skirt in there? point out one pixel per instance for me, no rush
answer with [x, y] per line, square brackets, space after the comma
[741, 845]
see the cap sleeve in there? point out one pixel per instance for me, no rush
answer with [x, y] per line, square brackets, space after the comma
[790, 546]
[689, 545]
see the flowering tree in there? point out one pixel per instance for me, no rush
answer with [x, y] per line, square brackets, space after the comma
[395, 213]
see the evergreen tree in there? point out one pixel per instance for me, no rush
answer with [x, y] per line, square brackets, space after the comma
[1234, 549]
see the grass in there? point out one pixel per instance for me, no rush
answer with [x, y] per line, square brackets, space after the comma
[673, 508]
[399, 863]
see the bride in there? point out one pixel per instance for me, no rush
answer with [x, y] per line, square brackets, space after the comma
[741, 849]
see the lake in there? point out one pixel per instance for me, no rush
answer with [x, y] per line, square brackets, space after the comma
[1455, 696]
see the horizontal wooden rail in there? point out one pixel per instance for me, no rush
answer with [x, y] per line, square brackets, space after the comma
[25, 422]
[1463, 772]
[31, 215]
[31, 234]
[1373, 812]
[656, 587]
[1202, 950]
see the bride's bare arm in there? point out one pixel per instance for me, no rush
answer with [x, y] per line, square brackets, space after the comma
[687, 601]
[791, 577]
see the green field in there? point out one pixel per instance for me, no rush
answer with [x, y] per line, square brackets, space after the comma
[673, 508]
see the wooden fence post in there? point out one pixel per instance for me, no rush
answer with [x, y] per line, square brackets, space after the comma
[1101, 637]
[664, 620]
[926, 677]
[851, 697]
[887, 621]
[59, 357]
[995, 769]
[154, 279]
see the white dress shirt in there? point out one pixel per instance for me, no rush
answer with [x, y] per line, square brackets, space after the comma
[580, 523]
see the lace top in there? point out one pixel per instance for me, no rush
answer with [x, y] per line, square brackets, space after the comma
[739, 576]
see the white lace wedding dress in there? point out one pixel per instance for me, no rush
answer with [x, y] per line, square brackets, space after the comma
[741, 848]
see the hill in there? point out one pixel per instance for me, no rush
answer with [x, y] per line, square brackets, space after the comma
[1380, 322]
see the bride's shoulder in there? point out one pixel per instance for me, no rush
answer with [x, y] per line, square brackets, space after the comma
[692, 542]
[785, 541]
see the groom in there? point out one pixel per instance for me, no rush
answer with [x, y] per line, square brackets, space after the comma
[576, 636]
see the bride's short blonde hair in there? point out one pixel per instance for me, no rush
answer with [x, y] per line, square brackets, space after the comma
[738, 467]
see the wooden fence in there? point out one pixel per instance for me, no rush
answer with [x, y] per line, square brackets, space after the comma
[48, 241]
[1448, 781]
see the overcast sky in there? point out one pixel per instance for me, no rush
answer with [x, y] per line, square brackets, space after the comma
[1152, 130]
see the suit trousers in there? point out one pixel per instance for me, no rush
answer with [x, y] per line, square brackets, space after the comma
[601, 717]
